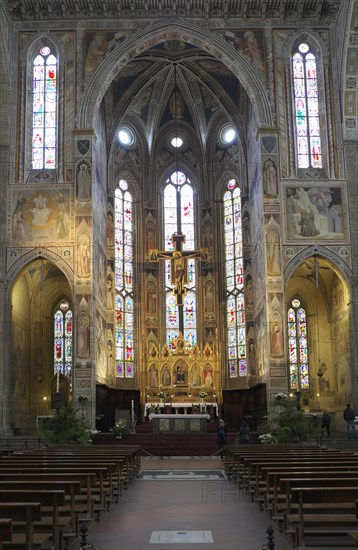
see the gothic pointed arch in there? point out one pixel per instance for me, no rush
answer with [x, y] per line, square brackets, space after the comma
[186, 32]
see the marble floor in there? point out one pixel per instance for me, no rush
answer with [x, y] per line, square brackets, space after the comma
[183, 503]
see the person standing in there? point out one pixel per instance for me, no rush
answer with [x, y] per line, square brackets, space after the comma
[222, 437]
[244, 434]
[326, 422]
[349, 416]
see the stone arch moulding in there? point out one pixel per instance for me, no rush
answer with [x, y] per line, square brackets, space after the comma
[186, 32]
[317, 251]
[309, 36]
[36, 254]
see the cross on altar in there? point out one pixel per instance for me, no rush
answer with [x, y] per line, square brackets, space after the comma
[178, 263]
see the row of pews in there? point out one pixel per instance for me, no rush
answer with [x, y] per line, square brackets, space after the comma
[47, 494]
[310, 493]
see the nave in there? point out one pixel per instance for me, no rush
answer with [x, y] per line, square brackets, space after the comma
[183, 505]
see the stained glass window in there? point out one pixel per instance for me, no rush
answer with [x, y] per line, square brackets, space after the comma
[179, 217]
[44, 110]
[235, 305]
[308, 134]
[124, 249]
[297, 346]
[63, 339]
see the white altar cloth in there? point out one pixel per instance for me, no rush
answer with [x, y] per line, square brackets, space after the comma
[178, 406]
[194, 416]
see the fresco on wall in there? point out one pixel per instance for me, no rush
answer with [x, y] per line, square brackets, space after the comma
[96, 46]
[100, 274]
[83, 338]
[273, 255]
[276, 325]
[101, 349]
[270, 179]
[251, 45]
[83, 175]
[84, 260]
[41, 215]
[18, 373]
[314, 213]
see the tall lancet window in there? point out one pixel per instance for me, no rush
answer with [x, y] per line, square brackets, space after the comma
[179, 219]
[63, 339]
[44, 110]
[234, 272]
[297, 345]
[307, 124]
[124, 299]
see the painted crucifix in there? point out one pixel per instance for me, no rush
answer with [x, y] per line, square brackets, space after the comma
[178, 263]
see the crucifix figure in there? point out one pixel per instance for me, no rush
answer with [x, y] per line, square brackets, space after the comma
[178, 263]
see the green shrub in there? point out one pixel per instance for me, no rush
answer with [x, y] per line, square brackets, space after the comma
[287, 423]
[66, 426]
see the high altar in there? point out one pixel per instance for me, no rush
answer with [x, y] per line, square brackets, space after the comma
[175, 423]
[182, 378]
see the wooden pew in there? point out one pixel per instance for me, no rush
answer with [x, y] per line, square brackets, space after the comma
[109, 471]
[252, 467]
[70, 488]
[130, 466]
[27, 512]
[99, 492]
[131, 457]
[242, 459]
[5, 530]
[318, 520]
[51, 499]
[87, 481]
[131, 453]
[275, 499]
[230, 451]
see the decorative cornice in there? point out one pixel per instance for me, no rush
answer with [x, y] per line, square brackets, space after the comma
[227, 10]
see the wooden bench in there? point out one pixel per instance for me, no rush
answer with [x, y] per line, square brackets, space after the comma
[26, 513]
[318, 520]
[232, 451]
[51, 501]
[87, 481]
[70, 488]
[5, 530]
[109, 470]
[128, 462]
[252, 467]
[274, 495]
[99, 491]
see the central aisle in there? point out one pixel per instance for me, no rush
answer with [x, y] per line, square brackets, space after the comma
[210, 506]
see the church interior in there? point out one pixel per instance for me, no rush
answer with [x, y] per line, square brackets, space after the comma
[178, 208]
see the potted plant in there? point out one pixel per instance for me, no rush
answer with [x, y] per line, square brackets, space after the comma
[287, 423]
[66, 426]
[120, 428]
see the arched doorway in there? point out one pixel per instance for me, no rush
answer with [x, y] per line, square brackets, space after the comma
[318, 325]
[35, 295]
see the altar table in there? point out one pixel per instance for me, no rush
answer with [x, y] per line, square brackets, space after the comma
[179, 423]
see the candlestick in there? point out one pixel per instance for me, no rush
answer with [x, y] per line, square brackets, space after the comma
[132, 409]
[58, 382]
